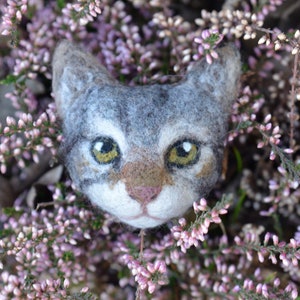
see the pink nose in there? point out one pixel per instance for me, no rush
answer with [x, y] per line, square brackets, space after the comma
[144, 194]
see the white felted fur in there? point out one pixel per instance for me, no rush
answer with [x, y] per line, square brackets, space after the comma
[146, 123]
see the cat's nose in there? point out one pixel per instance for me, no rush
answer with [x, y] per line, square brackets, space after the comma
[144, 194]
[143, 180]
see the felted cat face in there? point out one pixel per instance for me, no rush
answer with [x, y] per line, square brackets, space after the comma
[143, 153]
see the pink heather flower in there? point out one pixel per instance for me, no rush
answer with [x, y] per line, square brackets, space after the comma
[288, 151]
[272, 155]
[200, 206]
[273, 259]
[283, 258]
[158, 266]
[265, 291]
[260, 257]
[275, 239]
[259, 288]
[267, 238]
[276, 282]
[151, 287]
[10, 121]
[208, 40]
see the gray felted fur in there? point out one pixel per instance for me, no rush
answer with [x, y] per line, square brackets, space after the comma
[143, 153]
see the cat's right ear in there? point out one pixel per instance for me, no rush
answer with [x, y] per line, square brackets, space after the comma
[220, 79]
[74, 71]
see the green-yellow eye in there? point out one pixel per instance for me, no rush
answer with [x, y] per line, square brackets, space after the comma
[105, 150]
[183, 153]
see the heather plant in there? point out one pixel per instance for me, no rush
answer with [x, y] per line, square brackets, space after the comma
[242, 242]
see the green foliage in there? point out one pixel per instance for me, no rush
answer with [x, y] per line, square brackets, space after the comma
[60, 4]
[12, 79]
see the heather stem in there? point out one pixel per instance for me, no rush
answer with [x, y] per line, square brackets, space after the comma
[293, 96]
[142, 235]
[141, 255]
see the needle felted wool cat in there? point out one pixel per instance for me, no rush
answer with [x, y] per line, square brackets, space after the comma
[143, 153]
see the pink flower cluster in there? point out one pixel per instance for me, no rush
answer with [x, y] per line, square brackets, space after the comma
[12, 15]
[271, 136]
[149, 276]
[88, 10]
[38, 135]
[149, 272]
[279, 39]
[208, 40]
[31, 60]
[274, 250]
[80, 14]
[244, 113]
[190, 235]
[49, 289]
[48, 244]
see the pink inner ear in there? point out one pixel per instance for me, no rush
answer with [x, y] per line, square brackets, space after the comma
[144, 194]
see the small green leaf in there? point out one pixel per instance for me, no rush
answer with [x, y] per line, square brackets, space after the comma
[97, 223]
[10, 79]
[244, 125]
[213, 39]
[6, 232]
[238, 206]
[68, 256]
[60, 4]
[12, 212]
[239, 160]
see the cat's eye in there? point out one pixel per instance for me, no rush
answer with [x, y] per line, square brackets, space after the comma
[105, 150]
[183, 153]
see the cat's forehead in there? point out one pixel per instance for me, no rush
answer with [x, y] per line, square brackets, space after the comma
[141, 112]
[125, 101]
[149, 103]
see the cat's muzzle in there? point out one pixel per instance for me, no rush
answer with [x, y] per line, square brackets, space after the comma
[143, 180]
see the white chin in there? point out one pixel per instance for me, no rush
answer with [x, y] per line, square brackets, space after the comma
[143, 222]
[173, 201]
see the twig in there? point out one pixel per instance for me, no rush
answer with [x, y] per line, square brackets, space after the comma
[142, 235]
[266, 30]
[52, 203]
[141, 256]
[293, 96]
[31, 174]
[223, 229]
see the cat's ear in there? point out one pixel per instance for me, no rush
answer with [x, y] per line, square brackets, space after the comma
[73, 72]
[221, 78]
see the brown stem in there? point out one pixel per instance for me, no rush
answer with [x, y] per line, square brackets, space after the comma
[269, 31]
[141, 256]
[31, 173]
[142, 235]
[293, 97]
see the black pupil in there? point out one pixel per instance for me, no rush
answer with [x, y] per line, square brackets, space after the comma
[107, 146]
[181, 152]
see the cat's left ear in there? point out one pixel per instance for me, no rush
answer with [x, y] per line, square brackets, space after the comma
[221, 78]
[74, 71]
